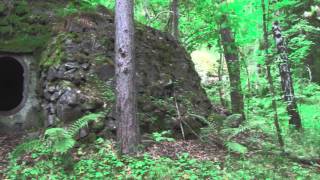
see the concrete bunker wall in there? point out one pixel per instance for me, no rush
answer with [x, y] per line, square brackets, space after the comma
[19, 104]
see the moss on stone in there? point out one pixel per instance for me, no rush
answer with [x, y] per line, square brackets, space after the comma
[2, 7]
[21, 8]
[23, 44]
[54, 53]
[101, 89]
[156, 113]
[3, 22]
[14, 20]
[106, 41]
[52, 58]
[5, 30]
[28, 30]
[22, 31]
[66, 84]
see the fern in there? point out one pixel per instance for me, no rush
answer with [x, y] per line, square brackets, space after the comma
[233, 132]
[236, 147]
[58, 140]
[61, 140]
[83, 122]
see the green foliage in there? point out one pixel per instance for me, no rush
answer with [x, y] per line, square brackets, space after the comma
[301, 144]
[104, 162]
[301, 44]
[83, 122]
[109, 4]
[23, 43]
[53, 54]
[51, 157]
[58, 140]
[25, 147]
[107, 91]
[213, 89]
[21, 30]
[266, 167]
[236, 147]
[154, 13]
[100, 161]
[55, 140]
[2, 7]
[161, 136]
[75, 6]
[230, 133]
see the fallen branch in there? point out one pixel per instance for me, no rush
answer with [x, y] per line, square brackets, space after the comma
[179, 115]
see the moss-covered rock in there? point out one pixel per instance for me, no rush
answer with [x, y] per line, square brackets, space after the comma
[2, 8]
[77, 68]
[21, 8]
[25, 26]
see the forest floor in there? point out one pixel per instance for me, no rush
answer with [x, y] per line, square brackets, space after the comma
[7, 143]
[194, 148]
[252, 162]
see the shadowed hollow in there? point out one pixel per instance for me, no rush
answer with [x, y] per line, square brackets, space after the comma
[11, 83]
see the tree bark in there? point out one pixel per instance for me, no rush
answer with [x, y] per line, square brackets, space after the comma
[174, 19]
[128, 128]
[233, 65]
[286, 79]
[220, 71]
[269, 76]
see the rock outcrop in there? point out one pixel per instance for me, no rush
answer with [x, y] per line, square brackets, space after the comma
[76, 68]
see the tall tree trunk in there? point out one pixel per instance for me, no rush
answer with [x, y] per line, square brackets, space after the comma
[247, 72]
[220, 71]
[286, 79]
[269, 76]
[233, 64]
[173, 24]
[249, 91]
[128, 129]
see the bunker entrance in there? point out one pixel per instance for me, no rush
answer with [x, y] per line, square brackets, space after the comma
[11, 84]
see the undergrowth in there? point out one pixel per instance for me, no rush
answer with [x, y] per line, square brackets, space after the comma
[100, 161]
[250, 150]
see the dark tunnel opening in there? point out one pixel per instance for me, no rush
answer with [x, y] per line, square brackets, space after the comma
[11, 83]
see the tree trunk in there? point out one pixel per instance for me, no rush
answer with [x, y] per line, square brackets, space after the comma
[286, 79]
[220, 71]
[128, 128]
[174, 19]
[248, 74]
[233, 65]
[269, 76]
